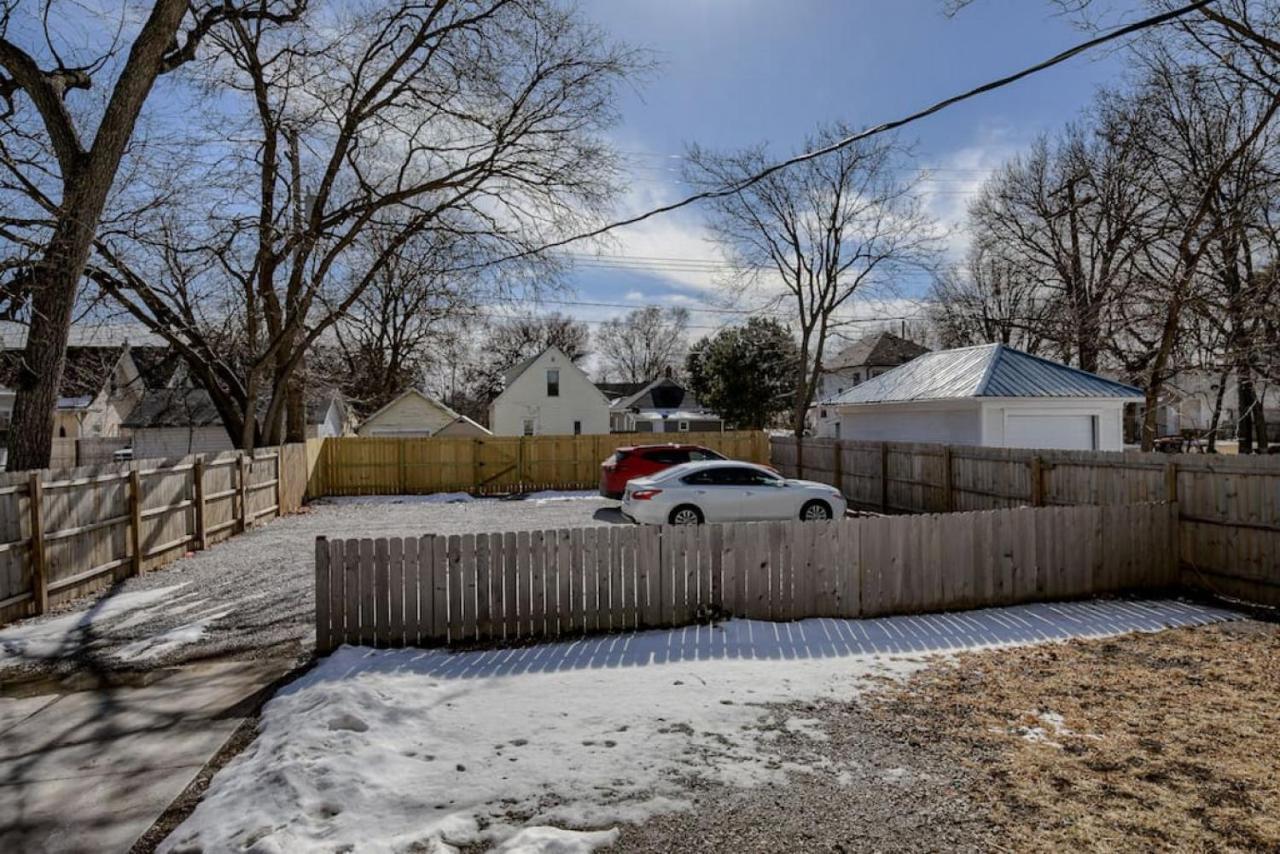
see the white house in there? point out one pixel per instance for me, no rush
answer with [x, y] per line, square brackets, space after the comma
[411, 414]
[990, 395]
[548, 394]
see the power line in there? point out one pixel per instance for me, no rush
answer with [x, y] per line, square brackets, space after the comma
[894, 124]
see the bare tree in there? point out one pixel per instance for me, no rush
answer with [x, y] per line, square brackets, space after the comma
[642, 345]
[402, 325]
[37, 80]
[473, 121]
[989, 299]
[818, 233]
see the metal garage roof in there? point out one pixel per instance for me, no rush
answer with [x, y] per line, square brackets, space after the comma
[988, 370]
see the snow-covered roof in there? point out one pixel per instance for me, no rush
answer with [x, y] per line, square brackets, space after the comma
[988, 370]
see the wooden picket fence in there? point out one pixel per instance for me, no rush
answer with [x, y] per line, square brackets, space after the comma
[1229, 529]
[67, 533]
[492, 464]
[439, 589]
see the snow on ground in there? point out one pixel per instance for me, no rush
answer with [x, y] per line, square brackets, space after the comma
[433, 498]
[524, 748]
[546, 495]
[156, 645]
[58, 636]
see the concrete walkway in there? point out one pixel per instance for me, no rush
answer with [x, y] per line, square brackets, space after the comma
[93, 770]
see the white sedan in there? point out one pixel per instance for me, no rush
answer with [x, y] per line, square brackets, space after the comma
[726, 491]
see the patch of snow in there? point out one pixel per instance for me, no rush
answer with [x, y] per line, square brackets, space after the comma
[156, 645]
[433, 498]
[58, 636]
[554, 840]
[393, 750]
[546, 495]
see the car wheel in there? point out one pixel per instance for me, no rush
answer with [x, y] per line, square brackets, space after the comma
[686, 514]
[815, 511]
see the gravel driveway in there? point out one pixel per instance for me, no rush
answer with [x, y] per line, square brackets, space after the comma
[252, 595]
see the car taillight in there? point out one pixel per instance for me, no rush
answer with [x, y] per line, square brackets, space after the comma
[645, 494]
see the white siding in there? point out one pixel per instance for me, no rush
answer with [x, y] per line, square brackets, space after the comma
[526, 398]
[956, 423]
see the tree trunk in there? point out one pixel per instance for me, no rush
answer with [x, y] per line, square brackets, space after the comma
[1217, 411]
[1246, 401]
[45, 354]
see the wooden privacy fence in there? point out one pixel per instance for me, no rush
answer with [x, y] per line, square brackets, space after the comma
[72, 532]
[492, 464]
[509, 586]
[1229, 531]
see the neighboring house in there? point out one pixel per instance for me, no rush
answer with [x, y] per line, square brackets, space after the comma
[100, 386]
[989, 395]
[411, 414]
[662, 406]
[616, 391]
[548, 394]
[1187, 402]
[463, 426]
[865, 359]
[174, 422]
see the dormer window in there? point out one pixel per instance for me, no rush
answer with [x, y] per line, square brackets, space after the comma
[553, 382]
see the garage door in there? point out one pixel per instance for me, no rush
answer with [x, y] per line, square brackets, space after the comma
[1063, 432]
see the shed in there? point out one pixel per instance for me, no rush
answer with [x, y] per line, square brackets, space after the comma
[411, 414]
[990, 395]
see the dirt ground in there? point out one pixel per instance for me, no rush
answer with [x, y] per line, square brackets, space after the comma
[1165, 741]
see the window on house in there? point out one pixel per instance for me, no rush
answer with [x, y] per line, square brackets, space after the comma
[528, 426]
[684, 426]
[577, 428]
[553, 382]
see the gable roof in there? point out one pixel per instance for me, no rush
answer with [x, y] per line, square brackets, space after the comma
[87, 371]
[662, 393]
[514, 373]
[988, 370]
[882, 350]
[406, 393]
[156, 365]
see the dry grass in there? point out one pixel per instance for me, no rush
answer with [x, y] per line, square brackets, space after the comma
[1165, 741]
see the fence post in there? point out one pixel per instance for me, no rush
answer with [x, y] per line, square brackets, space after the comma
[198, 475]
[324, 638]
[39, 561]
[1171, 481]
[279, 481]
[135, 519]
[948, 493]
[242, 490]
[884, 477]
[838, 465]
[1037, 481]
[402, 482]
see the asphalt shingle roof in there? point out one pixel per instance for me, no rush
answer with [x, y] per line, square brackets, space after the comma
[880, 350]
[988, 370]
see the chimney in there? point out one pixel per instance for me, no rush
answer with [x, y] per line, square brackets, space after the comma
[667, 372]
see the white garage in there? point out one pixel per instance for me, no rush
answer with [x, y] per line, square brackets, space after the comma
[990, 395]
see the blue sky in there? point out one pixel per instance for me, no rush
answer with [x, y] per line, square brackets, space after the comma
[737, 72]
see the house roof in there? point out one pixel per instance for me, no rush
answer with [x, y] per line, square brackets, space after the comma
[156, 365]
[617, 391]
[173, 407]
[401, 396]
[988, 370]
[184, 406]
[881, 350]
[662, 393]
[87, 371]
[510, 374]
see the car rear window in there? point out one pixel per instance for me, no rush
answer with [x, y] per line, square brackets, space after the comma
[669, 456]
[700, 454]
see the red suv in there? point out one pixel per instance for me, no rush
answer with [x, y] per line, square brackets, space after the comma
[643, 460]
